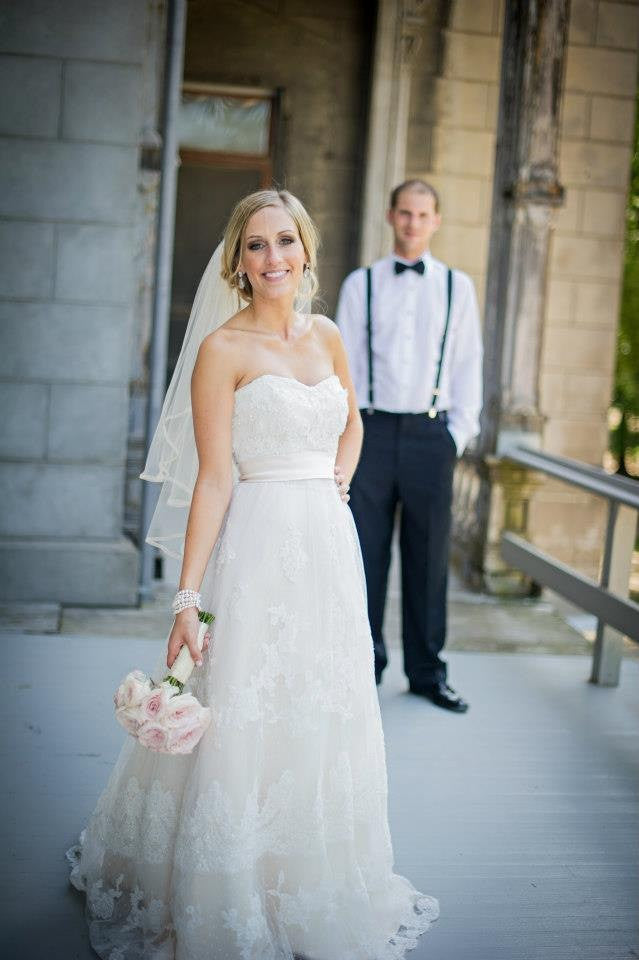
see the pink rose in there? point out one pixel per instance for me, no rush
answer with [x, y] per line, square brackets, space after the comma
[132, 690]
[181, 711]
[153, 705]
[152, 736]
[129, 719]
[184, 739]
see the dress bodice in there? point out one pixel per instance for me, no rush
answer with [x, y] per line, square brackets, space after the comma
[276, 415]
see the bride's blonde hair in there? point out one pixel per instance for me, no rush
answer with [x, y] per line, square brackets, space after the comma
[242, 213]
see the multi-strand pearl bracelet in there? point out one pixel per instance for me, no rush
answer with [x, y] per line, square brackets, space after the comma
[184, 599]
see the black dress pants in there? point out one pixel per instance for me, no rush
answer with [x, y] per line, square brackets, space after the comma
[407, 459]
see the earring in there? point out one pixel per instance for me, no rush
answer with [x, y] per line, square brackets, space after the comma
[241, 281]
[307, 269]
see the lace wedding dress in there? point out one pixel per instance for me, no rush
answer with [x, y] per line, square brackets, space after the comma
[271, 840]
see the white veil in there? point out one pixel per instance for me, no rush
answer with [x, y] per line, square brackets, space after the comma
[172, 459]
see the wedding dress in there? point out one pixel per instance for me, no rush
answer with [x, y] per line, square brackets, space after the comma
[271, 840]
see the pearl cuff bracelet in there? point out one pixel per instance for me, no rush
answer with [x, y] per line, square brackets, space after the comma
[184, 599]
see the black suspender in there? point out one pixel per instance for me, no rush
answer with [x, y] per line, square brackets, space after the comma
[432, 412]
[369, 334]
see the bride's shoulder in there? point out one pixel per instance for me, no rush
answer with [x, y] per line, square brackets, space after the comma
[324, 325]
[327, 331]
[225, 332]
[224, 337]
[220, 347]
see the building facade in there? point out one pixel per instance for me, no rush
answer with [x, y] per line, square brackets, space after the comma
[337, 104]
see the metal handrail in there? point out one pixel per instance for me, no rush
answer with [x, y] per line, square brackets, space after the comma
[622, 615]
[594, 479]
[616, 615]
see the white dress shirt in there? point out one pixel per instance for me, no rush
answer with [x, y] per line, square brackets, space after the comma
[408, 317]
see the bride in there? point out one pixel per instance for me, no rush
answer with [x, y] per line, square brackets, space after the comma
[271, 840]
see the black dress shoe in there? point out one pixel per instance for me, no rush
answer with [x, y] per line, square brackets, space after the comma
[442, 696]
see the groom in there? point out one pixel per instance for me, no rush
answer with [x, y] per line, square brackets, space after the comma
[412, 333]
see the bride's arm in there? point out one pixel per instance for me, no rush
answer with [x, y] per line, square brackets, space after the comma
[212, 390]
[350, 443]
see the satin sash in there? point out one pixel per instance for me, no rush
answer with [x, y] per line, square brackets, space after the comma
[307, 465]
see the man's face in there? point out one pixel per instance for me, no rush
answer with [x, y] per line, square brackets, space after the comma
[414, 221]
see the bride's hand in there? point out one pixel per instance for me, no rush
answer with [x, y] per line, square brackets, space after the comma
[343, 485]
[184, 634]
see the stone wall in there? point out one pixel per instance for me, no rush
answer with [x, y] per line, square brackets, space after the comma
[70, 125]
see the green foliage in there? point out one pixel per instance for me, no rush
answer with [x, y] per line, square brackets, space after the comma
[624, 439]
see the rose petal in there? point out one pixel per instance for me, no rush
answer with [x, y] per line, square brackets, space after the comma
[152, 736]
[183, 741]
[180, 710]
[128, 720]
[135, 686]
[154, 703]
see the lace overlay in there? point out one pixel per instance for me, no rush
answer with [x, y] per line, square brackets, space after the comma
[315, 417]
[271, 840]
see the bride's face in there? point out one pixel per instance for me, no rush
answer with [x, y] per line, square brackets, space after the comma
[273, 255]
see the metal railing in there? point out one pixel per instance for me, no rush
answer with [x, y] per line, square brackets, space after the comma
[617, 616]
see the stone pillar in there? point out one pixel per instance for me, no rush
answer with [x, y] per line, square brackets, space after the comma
[396, 41]
[71, 121]
[146, 234]
[526, 190]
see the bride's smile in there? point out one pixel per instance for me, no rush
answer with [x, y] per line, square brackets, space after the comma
[275, 274]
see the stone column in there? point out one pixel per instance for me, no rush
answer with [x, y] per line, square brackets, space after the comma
[396, 41]
[526, 191]
[146, 237]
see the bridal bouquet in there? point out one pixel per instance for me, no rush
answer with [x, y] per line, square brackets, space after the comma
[159, 715]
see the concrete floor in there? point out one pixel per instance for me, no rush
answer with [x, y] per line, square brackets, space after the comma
[521, 816]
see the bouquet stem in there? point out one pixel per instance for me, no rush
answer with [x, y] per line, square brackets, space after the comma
[183, 664]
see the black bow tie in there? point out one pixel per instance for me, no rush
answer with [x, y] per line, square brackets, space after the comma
[418, 267]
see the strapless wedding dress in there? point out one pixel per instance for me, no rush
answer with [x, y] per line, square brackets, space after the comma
[271, 840]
